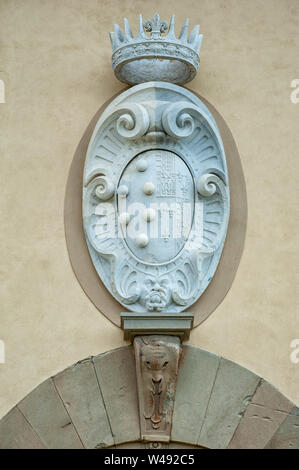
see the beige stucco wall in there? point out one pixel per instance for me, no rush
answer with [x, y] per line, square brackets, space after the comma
[55, 61]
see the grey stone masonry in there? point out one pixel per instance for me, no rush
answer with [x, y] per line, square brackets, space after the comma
[79, 389]
[116, 373]
[47, 415]
[94, 404]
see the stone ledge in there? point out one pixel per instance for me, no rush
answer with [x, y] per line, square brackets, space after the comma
[150, 323]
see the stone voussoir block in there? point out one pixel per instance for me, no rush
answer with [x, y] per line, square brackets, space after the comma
[16, 432]
[232, 392]
[79, 389]
[44, 410]
[116, 372]
[265, 413]
[196, 376]
[287, 435]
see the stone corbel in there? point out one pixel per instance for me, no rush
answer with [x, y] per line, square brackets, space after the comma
[157, 360]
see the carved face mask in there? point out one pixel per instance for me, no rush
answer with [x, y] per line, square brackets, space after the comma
[155, 294]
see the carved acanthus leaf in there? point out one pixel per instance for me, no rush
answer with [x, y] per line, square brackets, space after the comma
[185, 284]
[124, 281]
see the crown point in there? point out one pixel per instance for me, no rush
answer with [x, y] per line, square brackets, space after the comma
[128, 31]
[194, 35]
[113, 40]
[141, 34]
[171, 33]
[198, 43]
[118, 33]
[184, 32]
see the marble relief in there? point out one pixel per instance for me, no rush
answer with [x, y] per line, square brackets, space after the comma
[156, 197]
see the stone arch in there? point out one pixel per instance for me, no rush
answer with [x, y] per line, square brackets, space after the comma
[94, 404]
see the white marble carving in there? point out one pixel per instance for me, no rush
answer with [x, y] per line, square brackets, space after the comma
[156, 55]
[156, 198]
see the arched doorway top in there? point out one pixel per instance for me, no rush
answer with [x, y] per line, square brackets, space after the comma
[94, 404]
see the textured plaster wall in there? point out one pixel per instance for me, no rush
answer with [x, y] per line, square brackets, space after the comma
[55, 62]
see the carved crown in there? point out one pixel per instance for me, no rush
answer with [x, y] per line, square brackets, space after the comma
[155, 53]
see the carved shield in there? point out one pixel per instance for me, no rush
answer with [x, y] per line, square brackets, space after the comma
[156, 198]
[160, 204]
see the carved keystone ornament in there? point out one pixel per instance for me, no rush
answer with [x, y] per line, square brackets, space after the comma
[157, 360]
[156, 204]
